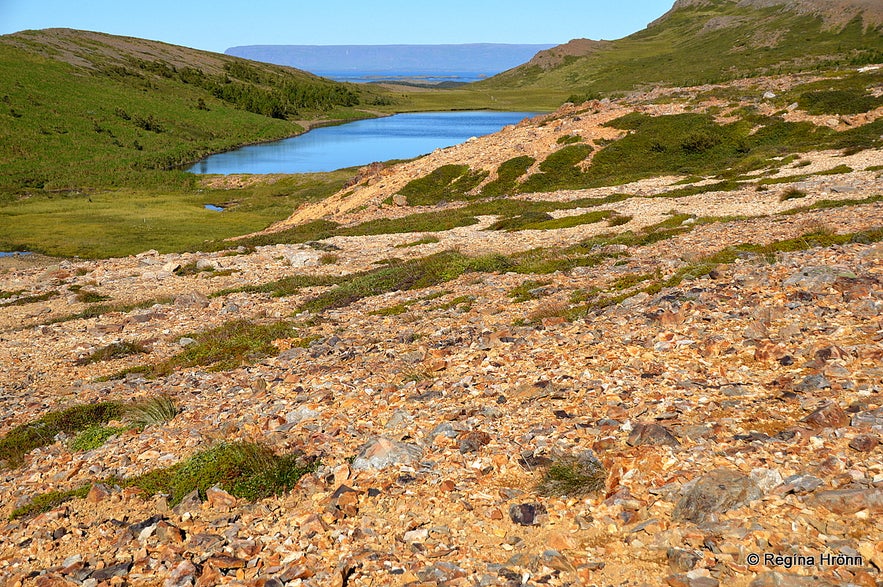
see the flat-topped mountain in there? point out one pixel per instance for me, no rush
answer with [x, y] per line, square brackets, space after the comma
[398, 60]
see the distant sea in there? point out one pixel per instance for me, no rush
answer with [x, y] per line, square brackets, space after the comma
[427, 64]
[360, 77]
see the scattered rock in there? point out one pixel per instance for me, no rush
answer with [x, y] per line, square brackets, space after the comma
[217, 498]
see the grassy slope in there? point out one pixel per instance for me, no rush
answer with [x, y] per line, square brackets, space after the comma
[104, 110]
[686, 48]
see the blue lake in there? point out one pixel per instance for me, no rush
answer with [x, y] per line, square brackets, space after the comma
[402, 136]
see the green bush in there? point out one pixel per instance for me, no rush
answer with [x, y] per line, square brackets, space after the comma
[792, 194]
[116, 350]
[227, 346]
[154, 410]
[559, 171]
[247, 470]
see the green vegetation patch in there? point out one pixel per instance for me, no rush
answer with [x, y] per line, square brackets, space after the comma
[116, 350]
[116, 222]
[100, 309]
[228, 346]
[508, 174]
[25, 300]
[792, 194]
[151, 411]
[838, 102]
[827, 204]
[445, 184]
[24, 438]
[559, 171]
[246, 470]
[528, 290]
[48, 501]
[461, 304]
[426, 240]
[94, 436]
[569, 221]
[402, 276]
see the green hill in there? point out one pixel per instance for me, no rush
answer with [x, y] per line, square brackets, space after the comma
[710, 41]
[83, 109]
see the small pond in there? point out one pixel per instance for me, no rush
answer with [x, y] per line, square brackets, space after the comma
[402, 136]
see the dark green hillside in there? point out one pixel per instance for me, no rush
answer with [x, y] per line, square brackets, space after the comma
[80, 109]
[702, 42]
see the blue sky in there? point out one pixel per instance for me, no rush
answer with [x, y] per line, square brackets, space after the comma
[217, 25]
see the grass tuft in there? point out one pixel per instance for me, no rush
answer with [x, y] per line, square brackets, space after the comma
[573, 476]
[154, 410]
[792, 194]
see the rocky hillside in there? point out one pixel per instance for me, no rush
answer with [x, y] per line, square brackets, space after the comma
[707, 41]
[632, 342]
[835, 13]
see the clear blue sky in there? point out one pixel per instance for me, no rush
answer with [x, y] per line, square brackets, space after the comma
[217, 25]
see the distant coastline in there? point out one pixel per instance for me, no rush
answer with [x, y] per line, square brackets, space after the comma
[421, 77]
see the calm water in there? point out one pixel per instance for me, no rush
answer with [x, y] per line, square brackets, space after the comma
[402, 136]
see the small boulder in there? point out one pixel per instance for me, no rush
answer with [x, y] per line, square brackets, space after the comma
[719, 491]
[864, 443]
[850, 501]
[652, 434]
[383, 452]
[527, 514]
[830, 415]
[219, 499]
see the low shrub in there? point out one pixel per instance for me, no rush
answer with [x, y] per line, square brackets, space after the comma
[94, 437]
[573, 476]
[116, 350]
